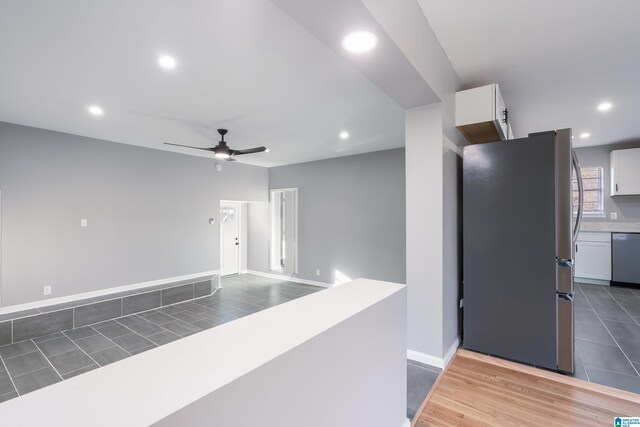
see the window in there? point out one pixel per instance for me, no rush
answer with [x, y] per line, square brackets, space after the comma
[593, 183]
[284, 230]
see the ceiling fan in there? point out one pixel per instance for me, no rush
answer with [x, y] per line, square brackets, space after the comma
[222, 150]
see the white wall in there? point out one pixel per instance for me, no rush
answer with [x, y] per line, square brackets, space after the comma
[351, 217]
[424, 193]
[148, 212]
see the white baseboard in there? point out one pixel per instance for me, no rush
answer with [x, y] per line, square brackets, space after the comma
[436, 362]
[289, 278]
[102, 292]
[592, 281]
[406, 423]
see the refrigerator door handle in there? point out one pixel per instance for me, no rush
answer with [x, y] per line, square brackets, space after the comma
[565, 333]
[576, 165]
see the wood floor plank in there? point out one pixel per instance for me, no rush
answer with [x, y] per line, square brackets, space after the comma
[478, 390]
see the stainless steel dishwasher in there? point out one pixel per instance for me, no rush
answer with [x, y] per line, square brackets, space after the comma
[625, 257]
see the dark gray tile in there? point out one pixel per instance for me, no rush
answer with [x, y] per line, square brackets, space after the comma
[593, 332]
[97, 312]
[25, 363]
[130, 320]
[112, 330]
[103, 324]
[36, 380]
[604, 357]
[586, 316]
[48, 337]
[163, 338]
[132, 342]
[69, 362]
[76, 334]
[6, 386]
[614, 379]
[8, 396]
[158, 318]
[419, 382]
[57, 346]
[42, 324]
[631, 348]
[181, 328]
[94, 343]
[145, 328]
[141, 302]
[207, 323]
[579, 369]
[197, 309]
[201, 289]
[5, 333]
[80, 371]
[630, 305]
[623, 330]
[580, 302]
[56, 307]
[424, 366]
[177, 294]
[17, 349]
[109, 355]
[187, 316]
[19, 314]
[170, 310]
[142, 350]
[618, 291]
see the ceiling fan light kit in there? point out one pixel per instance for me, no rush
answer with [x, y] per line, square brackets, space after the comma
[222, 150]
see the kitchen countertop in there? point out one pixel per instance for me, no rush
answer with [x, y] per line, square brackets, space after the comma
[610, 227]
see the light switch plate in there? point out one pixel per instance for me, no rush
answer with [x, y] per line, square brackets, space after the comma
[46, 290]
[83, 222]
[614, 215]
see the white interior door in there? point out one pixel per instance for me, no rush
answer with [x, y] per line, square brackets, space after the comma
[229, 238]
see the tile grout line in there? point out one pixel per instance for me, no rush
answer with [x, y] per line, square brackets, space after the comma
[625, 310]
[10, 377]
[609, 332]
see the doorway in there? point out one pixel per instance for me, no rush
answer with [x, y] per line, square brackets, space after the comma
[229, 238]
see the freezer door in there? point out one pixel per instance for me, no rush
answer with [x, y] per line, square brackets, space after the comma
[509, 250]
[565, 333]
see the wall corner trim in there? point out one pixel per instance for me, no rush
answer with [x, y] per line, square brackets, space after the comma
[288, 278]
[406, 423]
[436, 362]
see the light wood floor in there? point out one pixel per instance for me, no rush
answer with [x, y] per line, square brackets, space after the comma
[478, 390]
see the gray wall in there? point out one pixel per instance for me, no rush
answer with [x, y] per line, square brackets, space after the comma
[147, 212]
[628, 207]
[351, 217]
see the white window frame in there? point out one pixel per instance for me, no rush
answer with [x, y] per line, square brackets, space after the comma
[274, 264]
[600, 213]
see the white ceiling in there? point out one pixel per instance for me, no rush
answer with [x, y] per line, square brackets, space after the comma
[555, 60]
[244, 65]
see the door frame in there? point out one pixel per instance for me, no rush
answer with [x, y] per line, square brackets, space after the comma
[271, 237]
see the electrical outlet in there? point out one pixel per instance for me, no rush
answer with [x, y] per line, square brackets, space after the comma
[83, 222]
[46, 290]
[317, 272]
[614, 215]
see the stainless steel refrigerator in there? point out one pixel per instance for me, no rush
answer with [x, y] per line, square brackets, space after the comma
[518, 248]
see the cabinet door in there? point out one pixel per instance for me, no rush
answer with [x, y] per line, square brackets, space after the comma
[593, 260]
[500, 114]
[625, 173]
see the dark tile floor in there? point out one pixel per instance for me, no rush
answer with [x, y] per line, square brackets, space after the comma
[29, 365]
[607, 331]
[420, 379]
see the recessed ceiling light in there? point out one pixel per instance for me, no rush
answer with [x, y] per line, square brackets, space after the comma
[585, 135]
[95, 110]
[344, 134]
[166, 61]
[604, 106]
[359, 42]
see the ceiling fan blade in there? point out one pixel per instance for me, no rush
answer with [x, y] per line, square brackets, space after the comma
[189, 146]
[249, 151]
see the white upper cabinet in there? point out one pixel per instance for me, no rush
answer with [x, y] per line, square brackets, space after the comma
[481, 115]
[625, 172]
